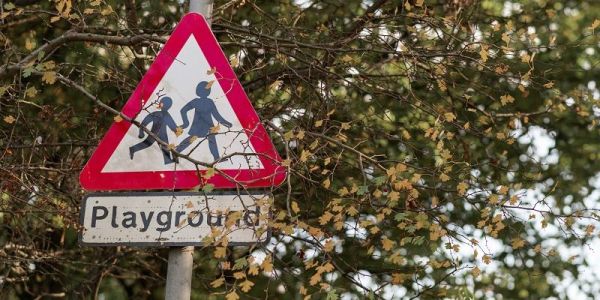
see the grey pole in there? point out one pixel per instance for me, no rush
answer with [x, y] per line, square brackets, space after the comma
[204, 7]
[181, 259]
[179, 273]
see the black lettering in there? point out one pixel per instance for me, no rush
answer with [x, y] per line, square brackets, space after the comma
[178, 216]
[192, 216]
[95, 215]
[165, 223]
[113, 221]
[209, 221]
[129, 219]
[146, 221]
[248, 218]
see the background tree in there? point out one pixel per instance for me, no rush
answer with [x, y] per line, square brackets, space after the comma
[435, 148]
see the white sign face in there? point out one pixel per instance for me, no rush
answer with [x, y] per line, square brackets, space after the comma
[210, 127]
[173, 218]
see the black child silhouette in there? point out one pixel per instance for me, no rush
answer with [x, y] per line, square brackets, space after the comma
[160, 121]
[204, 112]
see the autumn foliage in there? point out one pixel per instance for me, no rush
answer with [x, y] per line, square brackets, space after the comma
[434, 148]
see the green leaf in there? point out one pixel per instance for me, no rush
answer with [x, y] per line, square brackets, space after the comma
[332, 295]
[27, 71]
[400, 216]
[380, 180]
[9, 6]
[363, 189]
[240, 263]
[208, 188]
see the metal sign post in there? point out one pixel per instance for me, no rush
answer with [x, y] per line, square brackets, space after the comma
[181, 259]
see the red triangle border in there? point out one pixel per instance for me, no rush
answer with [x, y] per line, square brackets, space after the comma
[273, 173]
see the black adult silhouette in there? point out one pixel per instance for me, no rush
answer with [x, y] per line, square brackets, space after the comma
[204, 112]
[160, 121]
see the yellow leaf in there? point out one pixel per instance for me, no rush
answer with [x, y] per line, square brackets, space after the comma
[509, 26]
[288, 135]
[506, 99]
[246, 286]
[300, 135]
[171, 146]
[419, 3]
[220, 252]
[239, 275]
[88, 11]
[387, 244]
[484, 54]
[449, 116]
[253, 269]
[178, 131]
[394, 196]
[352, 211]
[295, 207]
[215, 129]
[518, 243]
[54, 19]
[506, 38]
[391, 171]
[9, 119]
[232, 296]
[496, 25]
[328, 247]
[525, 57]
[217, 282]
[267, 265]
[29, 44]
[549, 85]
[596, 24]
[276, 85]
[487, 259]
[325, 218]
[590, 229]
[326, 183]
[316, 278]
[476, 271]
[107, 11]
[319, 123]
[493, 199]
[304, 155]
[347, 58]
[31, 92]
[209, 84]
[328, 267]
[346, 125]
[503, 190]
[444, 177]
[462, 188]
[234, 61]
[118, 118]
[303, 290]
[49, 77]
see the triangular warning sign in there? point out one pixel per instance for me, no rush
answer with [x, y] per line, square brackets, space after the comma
[191, 99]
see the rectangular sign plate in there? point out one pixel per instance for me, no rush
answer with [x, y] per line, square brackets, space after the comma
[173, 218]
